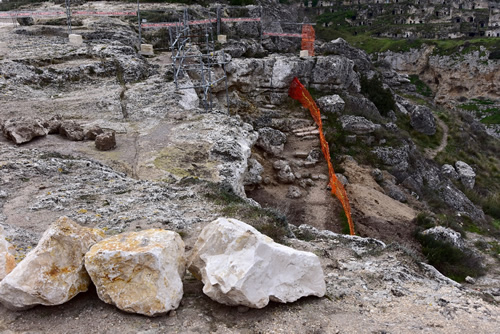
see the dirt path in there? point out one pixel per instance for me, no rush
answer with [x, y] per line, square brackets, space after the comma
[432, 153]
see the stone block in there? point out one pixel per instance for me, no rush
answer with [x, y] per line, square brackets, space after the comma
[75, 39]
[222, 39]
[147, 50]
[304, 53]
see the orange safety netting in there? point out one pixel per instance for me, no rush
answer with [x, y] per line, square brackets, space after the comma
[298, 92]
[308, 37]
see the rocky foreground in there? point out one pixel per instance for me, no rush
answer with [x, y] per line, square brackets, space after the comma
[175, 169]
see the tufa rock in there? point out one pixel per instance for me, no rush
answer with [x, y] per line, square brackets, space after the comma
[423, 121]
[271, 140]
[23, 130]
[139, 272]
[105, 141]
[445, 234]
[7, 260]
[240, 266]
[71, 130]
[53, 272]
[465, 174]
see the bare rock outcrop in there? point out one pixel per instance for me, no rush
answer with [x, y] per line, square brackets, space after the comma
[139, 272]
[53, 272]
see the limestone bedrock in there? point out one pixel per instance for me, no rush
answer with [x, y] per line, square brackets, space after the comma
[240, 266]
[53, 272]
[139, 272]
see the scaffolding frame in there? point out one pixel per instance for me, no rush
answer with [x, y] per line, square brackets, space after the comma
[186, 58]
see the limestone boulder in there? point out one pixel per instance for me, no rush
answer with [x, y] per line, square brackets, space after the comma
[466, 174]
[105, 141]
[71, 130]
[52, 124]
[240, 266]
[422, 120]
[139, 272]
[53, 272]
[447, 235]
[449, 171]
[92, 132]
[7, 260]
[271, 140]
[357, 124]
[23, 130]
[286, 175]
[332, 104]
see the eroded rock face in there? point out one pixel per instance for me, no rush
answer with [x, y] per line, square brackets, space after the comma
[23, 130]
[253, 174]
[241, 266]
[465, 174]
[53, 272]
[422, 120]
[139, 272]
[7, 260]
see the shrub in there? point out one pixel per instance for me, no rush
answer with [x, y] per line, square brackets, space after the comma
[374, 90]
[449, 260]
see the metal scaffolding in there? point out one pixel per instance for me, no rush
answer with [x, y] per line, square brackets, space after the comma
[193, 51]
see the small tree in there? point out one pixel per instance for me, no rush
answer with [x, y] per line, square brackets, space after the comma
[374, 90]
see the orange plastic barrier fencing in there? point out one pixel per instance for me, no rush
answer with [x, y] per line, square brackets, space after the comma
[298, 92]
[308, 37]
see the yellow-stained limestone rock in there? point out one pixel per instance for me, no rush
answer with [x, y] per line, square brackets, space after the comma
[7, 260]
[53, 272]
[139, 272]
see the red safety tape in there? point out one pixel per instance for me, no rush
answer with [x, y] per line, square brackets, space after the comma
[174, 24]
[242, 19]
[87, 13]
[281, 34]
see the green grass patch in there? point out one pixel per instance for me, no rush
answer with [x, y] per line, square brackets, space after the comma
[494, 118]
[422, 88]
[267, 221]
[469, 106]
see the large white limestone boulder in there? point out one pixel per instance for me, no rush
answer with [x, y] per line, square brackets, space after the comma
[53, 272]
[241, 266]
[7, 260]
[139, 272]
